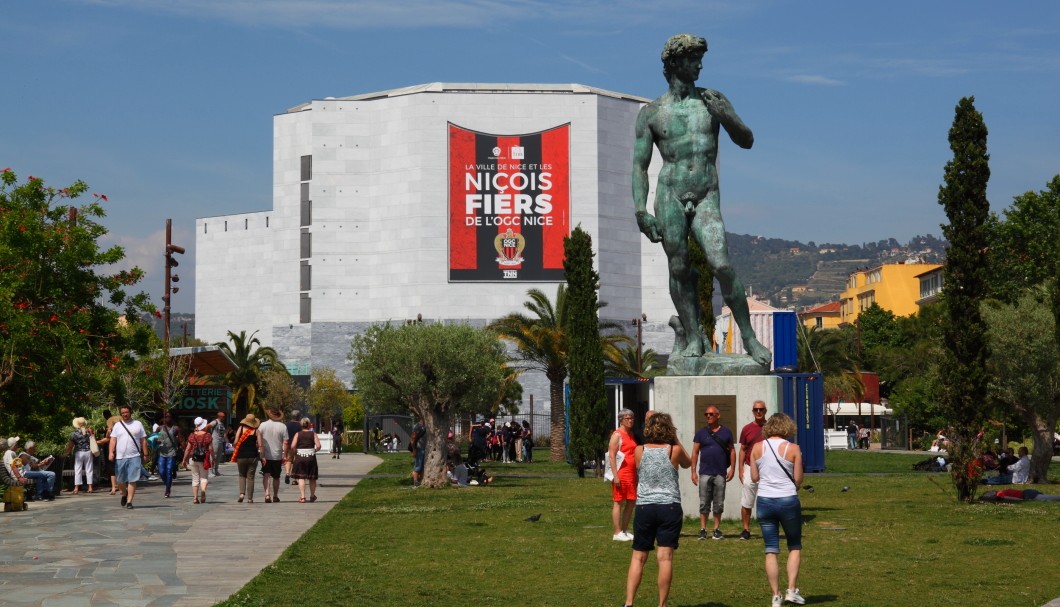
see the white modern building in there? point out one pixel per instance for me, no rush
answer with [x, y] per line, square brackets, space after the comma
[443, 202]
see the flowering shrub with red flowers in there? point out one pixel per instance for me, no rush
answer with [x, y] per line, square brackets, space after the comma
[60, 305]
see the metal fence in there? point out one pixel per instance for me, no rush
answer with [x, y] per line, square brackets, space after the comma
[894, 432]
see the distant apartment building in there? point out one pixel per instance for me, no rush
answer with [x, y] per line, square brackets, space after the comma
[895, 287]
[824, 316]
[930, 286]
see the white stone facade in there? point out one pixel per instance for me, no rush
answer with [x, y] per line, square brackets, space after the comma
[379, 224]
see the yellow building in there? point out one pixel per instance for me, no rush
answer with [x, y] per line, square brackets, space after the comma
[892, 286]
[824, 316]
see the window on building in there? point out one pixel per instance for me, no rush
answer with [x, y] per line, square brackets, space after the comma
[819, 322]
[307, 168]
[307, 213]
[306, 249]
[305, 277]
[305, 309]
[874, 276]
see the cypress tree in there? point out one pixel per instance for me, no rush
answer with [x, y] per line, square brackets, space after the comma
[589, 421]
[965, 351]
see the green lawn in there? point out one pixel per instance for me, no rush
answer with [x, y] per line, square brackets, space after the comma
[892, 539]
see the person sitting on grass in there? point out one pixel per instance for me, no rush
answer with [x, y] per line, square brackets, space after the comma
[1018, 495]
[1021, 470]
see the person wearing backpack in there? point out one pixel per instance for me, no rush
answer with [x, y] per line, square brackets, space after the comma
[197, 459]
[168, 444]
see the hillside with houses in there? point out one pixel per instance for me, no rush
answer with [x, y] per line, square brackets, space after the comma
[790, 273]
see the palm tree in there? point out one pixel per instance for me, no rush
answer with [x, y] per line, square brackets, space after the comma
[252, 360]
[829, 352]
[543, 344]
[622, 362]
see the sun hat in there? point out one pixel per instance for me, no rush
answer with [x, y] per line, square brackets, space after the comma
[12, 441]
[79, 422]
[250, 421]
[200, 423]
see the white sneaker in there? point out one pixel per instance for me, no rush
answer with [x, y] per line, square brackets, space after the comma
[622, 536]
[629, 536]
[777, 602]
[793, 596]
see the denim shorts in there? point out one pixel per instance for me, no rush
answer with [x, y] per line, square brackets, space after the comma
[657, 523]
[711, 493]
[780, 512]
[127, 470]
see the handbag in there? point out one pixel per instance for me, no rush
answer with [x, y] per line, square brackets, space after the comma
[609, 474]
[93, 446]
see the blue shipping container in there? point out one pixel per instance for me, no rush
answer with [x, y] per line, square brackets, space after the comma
[803, 401]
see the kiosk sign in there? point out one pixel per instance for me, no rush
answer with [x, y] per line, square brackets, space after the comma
[203, 400]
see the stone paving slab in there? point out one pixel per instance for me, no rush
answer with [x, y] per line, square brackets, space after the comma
[87, 550]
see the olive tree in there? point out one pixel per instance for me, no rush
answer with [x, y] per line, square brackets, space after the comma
[434, 371]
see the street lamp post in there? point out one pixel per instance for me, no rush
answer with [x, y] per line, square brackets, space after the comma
[170, 277]
[639, 322]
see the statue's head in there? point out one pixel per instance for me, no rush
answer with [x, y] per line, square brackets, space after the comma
[681, 45]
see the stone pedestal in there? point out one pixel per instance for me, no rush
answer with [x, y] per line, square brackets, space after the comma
[686, 399]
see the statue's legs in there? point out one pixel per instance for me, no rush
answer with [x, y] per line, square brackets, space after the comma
[673, 225]
[709, 230]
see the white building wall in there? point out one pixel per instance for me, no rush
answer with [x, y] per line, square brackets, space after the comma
[379, 230]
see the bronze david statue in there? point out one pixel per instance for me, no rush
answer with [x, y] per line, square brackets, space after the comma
[684, 124]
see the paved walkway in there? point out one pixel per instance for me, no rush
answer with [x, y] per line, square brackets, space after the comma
[85, 550]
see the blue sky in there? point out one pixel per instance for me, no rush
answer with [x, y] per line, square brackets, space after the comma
[166, 106]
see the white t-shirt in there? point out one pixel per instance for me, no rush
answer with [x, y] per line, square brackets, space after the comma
[126, 446]
[273, 433]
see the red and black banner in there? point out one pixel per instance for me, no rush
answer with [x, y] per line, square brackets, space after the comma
[509, 205]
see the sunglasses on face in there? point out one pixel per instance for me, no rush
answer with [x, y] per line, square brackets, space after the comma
[759, 410]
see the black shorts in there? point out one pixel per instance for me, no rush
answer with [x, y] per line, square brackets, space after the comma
[657, 524]
[272, 467]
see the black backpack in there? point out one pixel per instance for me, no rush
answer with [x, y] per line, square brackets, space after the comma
[199, 453]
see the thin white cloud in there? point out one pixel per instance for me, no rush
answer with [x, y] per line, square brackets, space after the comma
[814, 79]
[582, 64]
[367, 14]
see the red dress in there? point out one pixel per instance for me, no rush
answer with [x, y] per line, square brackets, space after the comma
[627, 470]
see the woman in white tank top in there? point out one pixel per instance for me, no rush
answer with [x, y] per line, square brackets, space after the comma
[776, 465]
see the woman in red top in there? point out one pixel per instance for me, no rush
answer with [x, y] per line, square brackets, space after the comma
[198, 446]
[624, 486]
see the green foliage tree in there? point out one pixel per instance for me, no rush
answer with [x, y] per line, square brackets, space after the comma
[588, 399]
[329, 398]
[1025, 368]
[252, 360]
[434, 371]
[278, 390]
[60, 304]
[1024, 243]
[965, 349]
